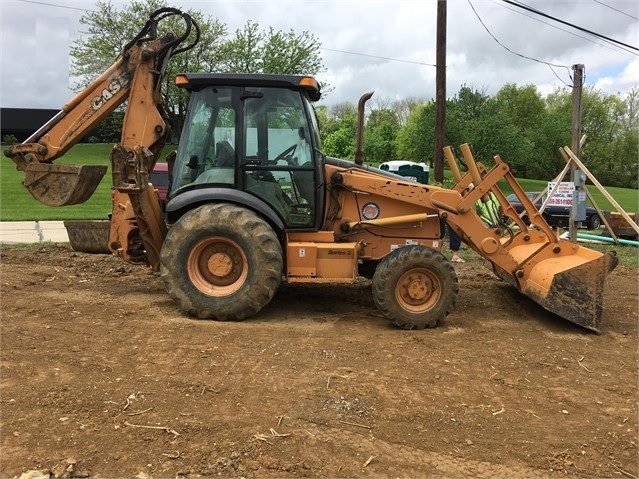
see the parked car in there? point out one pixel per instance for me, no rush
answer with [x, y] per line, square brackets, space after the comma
[160, 181]
[556, 215]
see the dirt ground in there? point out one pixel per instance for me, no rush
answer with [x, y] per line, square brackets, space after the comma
[102, 376]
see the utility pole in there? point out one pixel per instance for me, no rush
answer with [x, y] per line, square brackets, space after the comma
[440, 94]
[578, 81]
[577, 86]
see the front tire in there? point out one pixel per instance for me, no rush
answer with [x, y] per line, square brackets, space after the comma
[221, 261]
[415, 287]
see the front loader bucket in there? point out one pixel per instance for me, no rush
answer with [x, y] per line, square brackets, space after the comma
[61, 185]
[569, 284]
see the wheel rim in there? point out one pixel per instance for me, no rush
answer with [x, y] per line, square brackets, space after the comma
[217, 266]
[418, 290]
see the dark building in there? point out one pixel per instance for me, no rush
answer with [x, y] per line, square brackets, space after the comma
[23, 122]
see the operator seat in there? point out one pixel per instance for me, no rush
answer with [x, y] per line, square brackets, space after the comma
[224, 154]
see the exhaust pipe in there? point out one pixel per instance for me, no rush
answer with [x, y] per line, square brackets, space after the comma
[359, 150]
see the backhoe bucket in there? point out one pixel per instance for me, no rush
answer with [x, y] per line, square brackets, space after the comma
[569, 284]
[89, 236]
[61, 185]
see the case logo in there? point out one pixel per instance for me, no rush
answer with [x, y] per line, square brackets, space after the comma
[370, 211]
[111, 89]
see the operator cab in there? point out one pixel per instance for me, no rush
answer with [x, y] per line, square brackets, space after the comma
[251, 136]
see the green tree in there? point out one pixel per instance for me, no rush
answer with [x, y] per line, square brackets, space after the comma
[340, 128]
[477, 119]
[9, 139]
[539, 132]
[109, 131]
[379, 136]
[326, 121]
[463, 113]
[249, 51]
[471, 117]
[523, 106]
[404, 107]
[416, 140]
[627, 144]
[272, 51]
[527, 130]
[610, 125]
[110, 29]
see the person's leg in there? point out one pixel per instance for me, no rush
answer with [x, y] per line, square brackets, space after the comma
[455, 245]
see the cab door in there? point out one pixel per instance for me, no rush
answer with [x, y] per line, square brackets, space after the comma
[279, 165]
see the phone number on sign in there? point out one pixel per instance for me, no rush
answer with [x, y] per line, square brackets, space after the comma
[561, 202]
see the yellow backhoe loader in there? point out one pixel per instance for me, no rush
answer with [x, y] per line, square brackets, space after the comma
[253, 201]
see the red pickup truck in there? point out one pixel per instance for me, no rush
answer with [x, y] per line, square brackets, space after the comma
[160, 181]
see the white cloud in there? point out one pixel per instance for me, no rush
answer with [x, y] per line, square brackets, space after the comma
[622, 82]
[36, 40]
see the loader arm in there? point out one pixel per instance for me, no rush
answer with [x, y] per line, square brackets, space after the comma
[565, 278]
[137, 228]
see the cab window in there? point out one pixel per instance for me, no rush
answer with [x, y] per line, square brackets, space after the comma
[277, 136]
[207, 147]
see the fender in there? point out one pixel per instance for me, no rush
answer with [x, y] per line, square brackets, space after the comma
[184, 202]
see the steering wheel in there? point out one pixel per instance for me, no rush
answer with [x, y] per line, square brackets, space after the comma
[286, 155]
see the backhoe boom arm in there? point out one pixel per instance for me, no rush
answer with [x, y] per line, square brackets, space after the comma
[104, 94]
[135, 77]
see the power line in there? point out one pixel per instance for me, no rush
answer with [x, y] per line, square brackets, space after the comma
[615, 9]
[550, 65]
[378, 57]
[58, 6]
[610, 47]
[537, 12]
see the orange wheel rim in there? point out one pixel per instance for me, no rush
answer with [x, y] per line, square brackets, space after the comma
[418, 290]
[217, 266]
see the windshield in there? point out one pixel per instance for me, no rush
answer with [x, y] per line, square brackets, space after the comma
[208, 139]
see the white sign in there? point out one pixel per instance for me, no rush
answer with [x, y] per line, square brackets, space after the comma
[563, 195]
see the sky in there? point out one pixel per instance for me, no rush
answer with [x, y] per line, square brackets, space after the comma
[376, 45]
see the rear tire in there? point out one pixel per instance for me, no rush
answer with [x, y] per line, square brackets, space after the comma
[415, 287]
[221, 261]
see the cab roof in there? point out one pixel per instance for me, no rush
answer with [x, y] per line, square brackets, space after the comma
[193, 81]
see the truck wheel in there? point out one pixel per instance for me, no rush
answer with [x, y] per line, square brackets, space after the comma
[415, 287]
[221, 261]
[595, 222]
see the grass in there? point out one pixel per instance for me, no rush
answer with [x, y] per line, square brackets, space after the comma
[17, 204]
[627, 198]
[628, 255]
